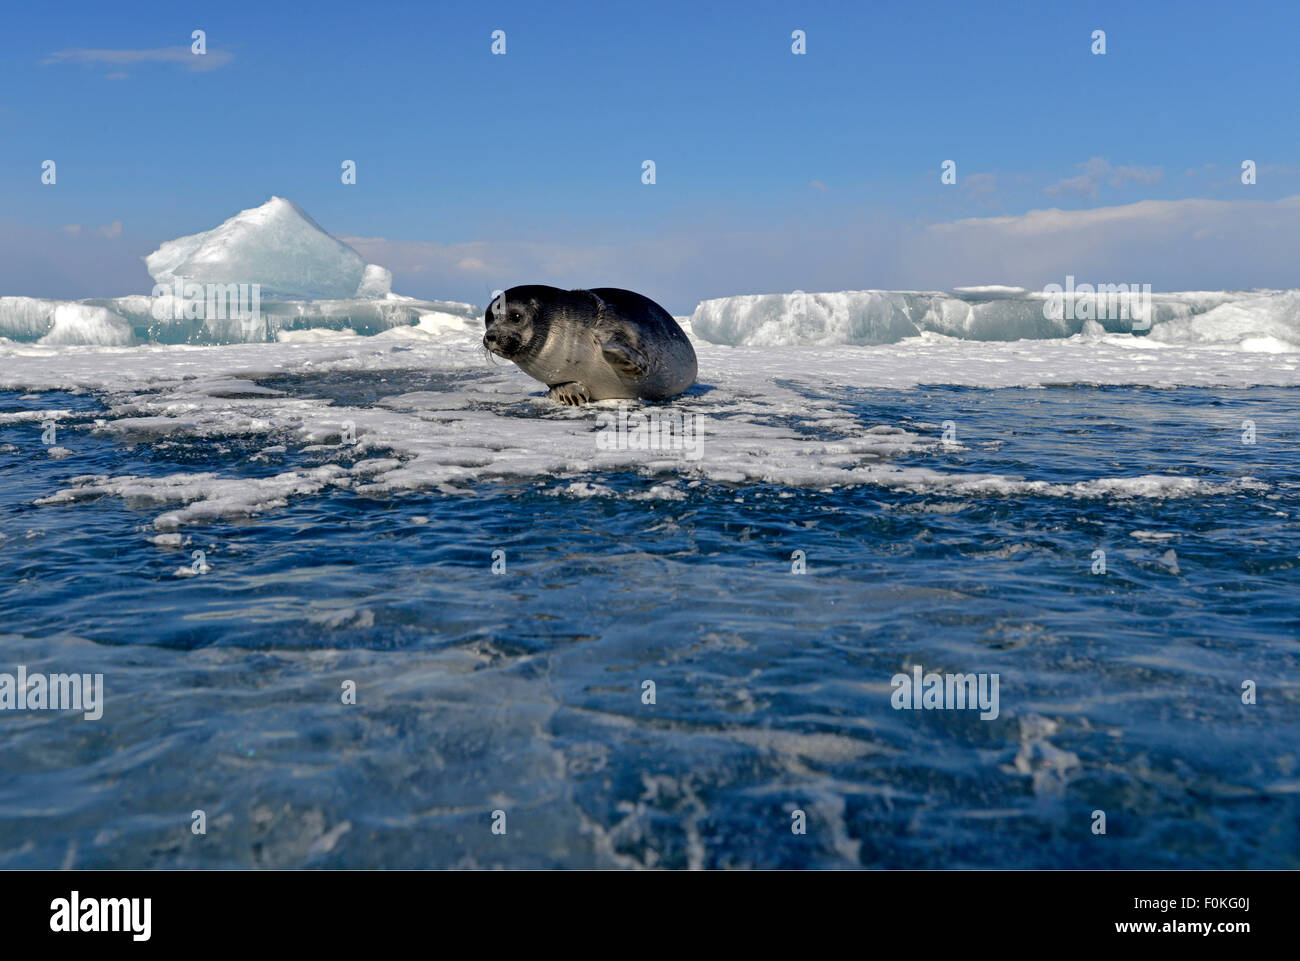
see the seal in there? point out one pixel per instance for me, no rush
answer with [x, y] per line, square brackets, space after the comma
[589, 345]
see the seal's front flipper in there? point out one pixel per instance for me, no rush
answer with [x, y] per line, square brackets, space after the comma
[624, 358]
[571, 393]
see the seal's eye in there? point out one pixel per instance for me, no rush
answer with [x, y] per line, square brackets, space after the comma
[515, 315]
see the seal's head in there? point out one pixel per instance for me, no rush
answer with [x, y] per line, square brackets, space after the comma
[514, 322]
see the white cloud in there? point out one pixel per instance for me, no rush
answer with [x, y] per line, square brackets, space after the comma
[1099, 170]
[982, 186]
[180, 56]
[1172, 244]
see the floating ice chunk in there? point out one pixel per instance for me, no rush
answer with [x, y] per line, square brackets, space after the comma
[84, 324]
[26, 318]
[848, 317]
[1048, 767]
[204, 496]
[440, 322]
[1092, 330]
[376, 281]
[1259, 322]
[277, 246]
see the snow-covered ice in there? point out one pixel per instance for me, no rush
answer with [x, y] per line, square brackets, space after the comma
[1264, 321]
[439, 414]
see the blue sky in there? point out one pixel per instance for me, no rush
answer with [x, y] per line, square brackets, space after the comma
[774, 171]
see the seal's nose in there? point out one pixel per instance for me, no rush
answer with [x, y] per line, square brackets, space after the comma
[490, 339]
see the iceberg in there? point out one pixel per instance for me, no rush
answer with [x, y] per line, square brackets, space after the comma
[265, 274]
[277, 246]
[1261, 319]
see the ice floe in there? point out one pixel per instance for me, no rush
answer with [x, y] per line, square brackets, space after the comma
[424, 407]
